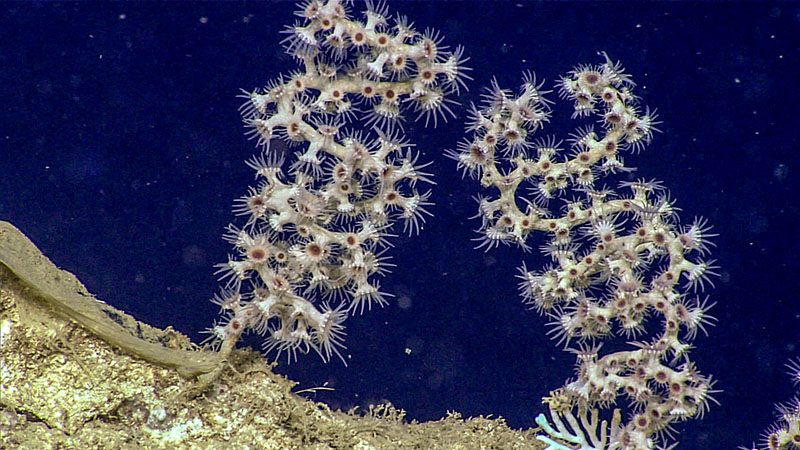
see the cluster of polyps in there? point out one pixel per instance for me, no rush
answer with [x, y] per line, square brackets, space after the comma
[785, 433]
[320, 228]
[618, 257]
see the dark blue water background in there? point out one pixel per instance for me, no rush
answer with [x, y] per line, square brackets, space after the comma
[121, 151]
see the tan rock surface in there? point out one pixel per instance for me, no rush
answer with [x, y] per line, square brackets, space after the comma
[62, 386]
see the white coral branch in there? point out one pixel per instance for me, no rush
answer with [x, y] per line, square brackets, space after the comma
[585, 434]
